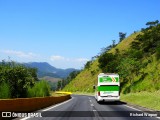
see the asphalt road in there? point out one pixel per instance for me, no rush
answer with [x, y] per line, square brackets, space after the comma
[82, 107]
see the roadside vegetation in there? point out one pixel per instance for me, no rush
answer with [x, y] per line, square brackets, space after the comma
[40, 89]
[18, 81]
[138, 65]
[145, 99]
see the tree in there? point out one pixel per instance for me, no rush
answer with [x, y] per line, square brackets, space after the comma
[127, 67]
[122, 36]
[149, 40]
[113, 43]
[53, 85]
[153, 23]
[59, 85]
[107, 62]
[18, 77]
[87, 65]
[63, 83]
[158, 52]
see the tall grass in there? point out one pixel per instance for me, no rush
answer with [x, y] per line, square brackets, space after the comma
[40, 89]
[5, 90]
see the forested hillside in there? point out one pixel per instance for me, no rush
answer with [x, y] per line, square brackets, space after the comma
[135, 59]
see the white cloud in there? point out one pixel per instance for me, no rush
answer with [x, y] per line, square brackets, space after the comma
[82, 59]
[20, 54]
[64, 62]
[61, 58]
[56, 58]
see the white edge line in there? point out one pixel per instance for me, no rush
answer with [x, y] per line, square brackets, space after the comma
[132, 108]
[50, 107]
[25, 118]
[138, 110]
[92, 105]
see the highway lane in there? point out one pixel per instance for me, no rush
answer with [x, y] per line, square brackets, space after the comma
[82, 107]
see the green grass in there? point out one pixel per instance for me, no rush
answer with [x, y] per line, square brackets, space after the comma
[85, 80]
[126, 42]
[149, 100]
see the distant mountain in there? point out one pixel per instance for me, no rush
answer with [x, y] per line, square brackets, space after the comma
[45, 69]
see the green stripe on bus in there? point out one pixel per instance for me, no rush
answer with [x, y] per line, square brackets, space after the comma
[107, 79]
[108, 88]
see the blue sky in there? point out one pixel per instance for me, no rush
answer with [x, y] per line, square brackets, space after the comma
[67, 33]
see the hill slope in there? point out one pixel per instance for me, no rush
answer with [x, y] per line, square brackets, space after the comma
[88, 77]
[136, 59]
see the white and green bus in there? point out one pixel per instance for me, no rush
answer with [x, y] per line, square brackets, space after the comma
[108, 87]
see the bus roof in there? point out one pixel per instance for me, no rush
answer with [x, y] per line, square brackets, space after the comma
[108, 74]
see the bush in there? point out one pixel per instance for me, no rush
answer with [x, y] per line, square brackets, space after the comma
[40, 89]
[5, 90]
